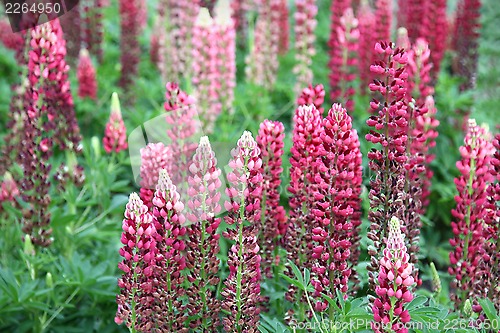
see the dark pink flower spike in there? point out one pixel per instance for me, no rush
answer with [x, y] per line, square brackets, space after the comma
[471, 211]
[154, 157]
[87, 84]
[273, 217]
[115, 133]
[305, 24]
[394, 284]
[241, 295]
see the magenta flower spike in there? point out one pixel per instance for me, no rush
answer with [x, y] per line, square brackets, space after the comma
[315, 96]
[273, 217]
[471, 211]
[115, 133]
[262, 61]
[130, 24]
[305, 24]
[390, 129]
[139, 254]
[367, 38]
[394, 284]
[343, 59]
[154, 157]
[169, 221]
[284, 27]
[241, 295]
[337, 206]
[203, 244]
[383, 20]
[87, 84]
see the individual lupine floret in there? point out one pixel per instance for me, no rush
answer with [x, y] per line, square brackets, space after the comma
[343, 59]
[139, 254]
[203, 244]
[465, 41]
[273, 216]
[168, 218]
[154, 157]
[305, 24]
[183, 126]
[394, 284]
[87, 85]
[129, 43]
[315, 96]
[367, 39]
[390, 122]
[337, 175]
[262, 61]
[304, 152]
[241, 295]
[470, 212]
[115, 133]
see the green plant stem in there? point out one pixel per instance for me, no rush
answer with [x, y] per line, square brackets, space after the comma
[58, 311]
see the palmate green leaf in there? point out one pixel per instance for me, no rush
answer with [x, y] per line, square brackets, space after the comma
[292, 281]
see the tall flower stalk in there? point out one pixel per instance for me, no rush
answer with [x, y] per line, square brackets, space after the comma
[337, 176]
[241, 295]
[367, 39]
[87, 84]
[471, 211]
[394, 284]
[273, 216]
[390, 127]
[343, 59]
[305, 24]
[203, 244]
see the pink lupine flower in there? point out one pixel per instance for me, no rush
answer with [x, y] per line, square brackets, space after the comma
[305, 24]
[203, 245]
[490, 267]
[154, 44]
[383, 20]
[239, 9]
[11, 40]
[262, 61]
[438, 33]
[183, 125]
[47, 107]
[130, 23]
[417, 18]
[390, 129]
[284, 27]
[315, 96]
[343, 59]
[169, 221]
[241, 295]
[8, 189]
[140, 255]
[93, 32]
[273, 217]
[115, 134]
[154, 157]
[206, 73]
[337, 176]
[465, 41]
[226, 61]
[394, 284]
[471, 211]
[304, 152]
[87, 85]
[419, 71]
[367, 39]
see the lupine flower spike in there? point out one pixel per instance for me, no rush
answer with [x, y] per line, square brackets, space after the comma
[471, 211]
[367, 39]
[314, 96]
[241, 295]
[394, 284]
[154, 157]
[139, 254]
[8, 190]
[387, 194]
[305, 24]
[129, 44]
[273, 217]
[115, 134]
[87, 85]
[169, 221]
[203, 245]
[337, 176]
